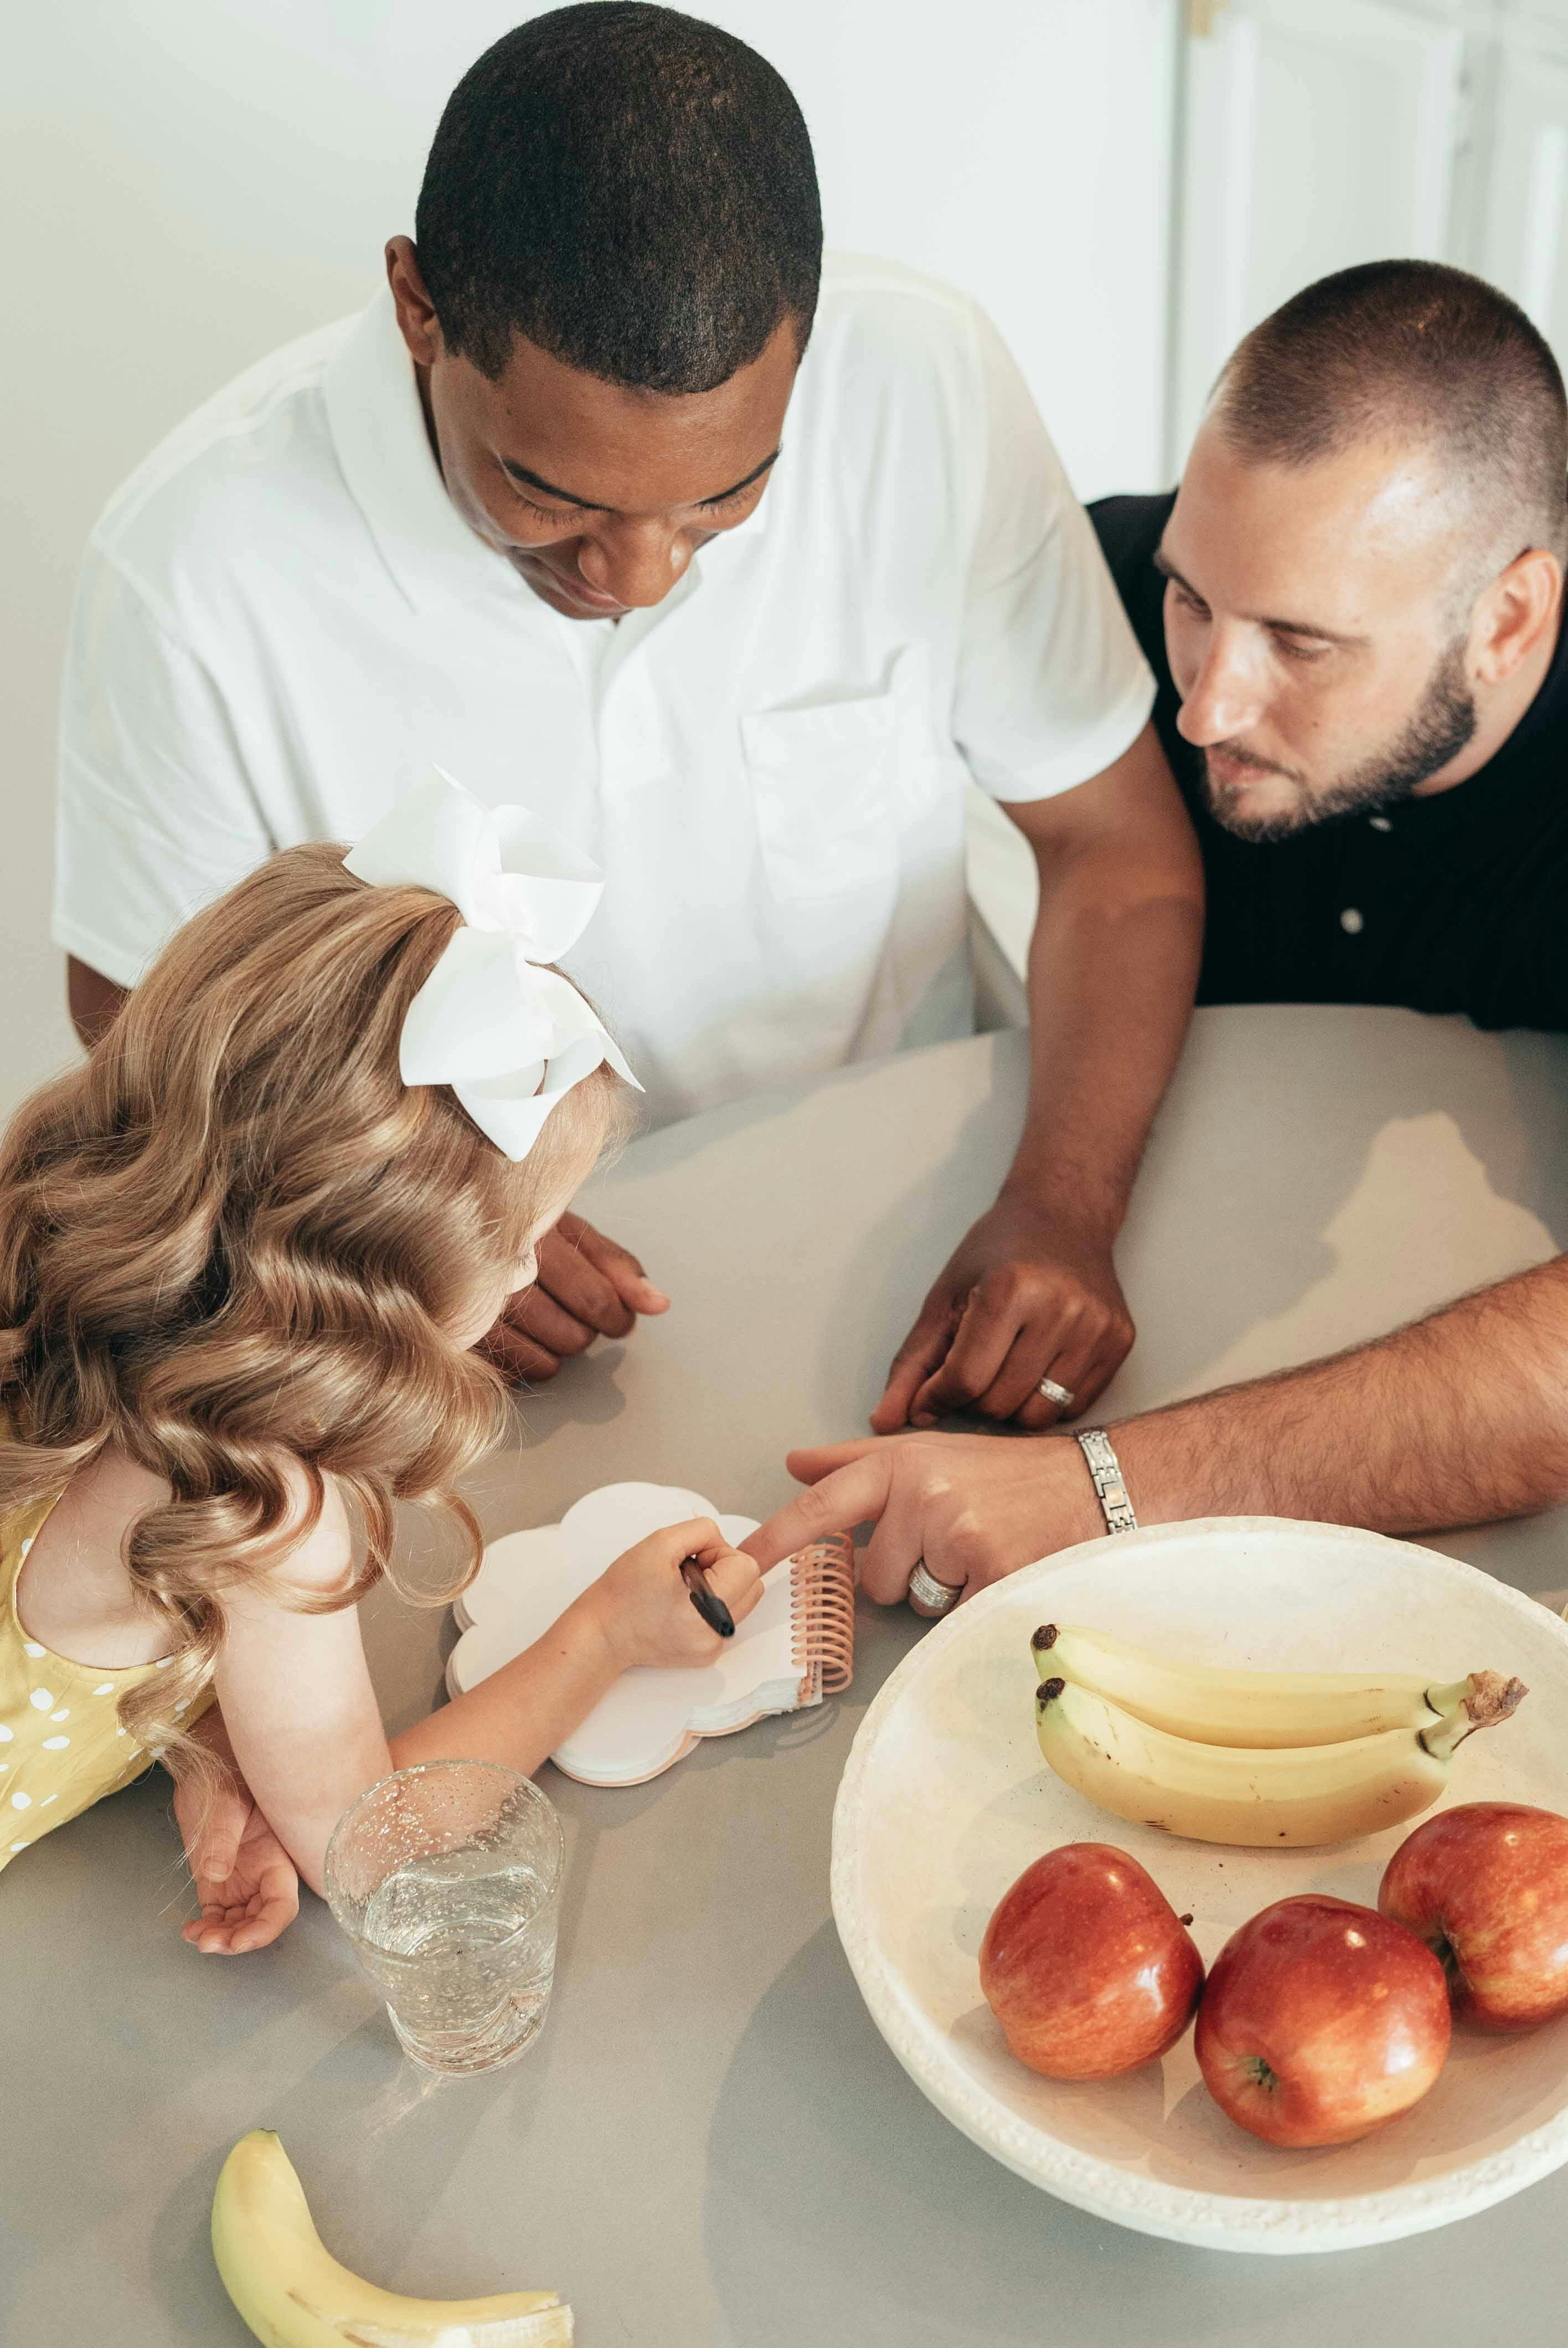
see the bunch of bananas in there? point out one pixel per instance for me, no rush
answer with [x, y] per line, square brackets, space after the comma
[1271, 1759]
[293, 2293]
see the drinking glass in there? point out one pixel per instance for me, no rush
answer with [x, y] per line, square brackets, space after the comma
[446, 1878]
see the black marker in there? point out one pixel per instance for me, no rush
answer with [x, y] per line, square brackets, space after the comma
[713, 1610]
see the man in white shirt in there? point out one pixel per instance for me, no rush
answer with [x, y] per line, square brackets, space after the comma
[573, 511]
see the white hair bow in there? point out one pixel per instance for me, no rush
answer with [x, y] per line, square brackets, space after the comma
[509, 1036]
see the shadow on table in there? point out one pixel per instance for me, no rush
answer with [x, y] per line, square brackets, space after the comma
[1532, 1167]
[841, 2208]
[368, 2131]
[1245, 1173]
[1268, 1133]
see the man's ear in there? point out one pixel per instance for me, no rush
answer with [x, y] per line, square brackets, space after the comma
[1515, 614]
[415, 310]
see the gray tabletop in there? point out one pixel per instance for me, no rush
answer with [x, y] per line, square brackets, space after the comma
[711, 2144]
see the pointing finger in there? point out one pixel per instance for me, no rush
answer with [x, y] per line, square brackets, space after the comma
[812, 1461]
[851, 1495]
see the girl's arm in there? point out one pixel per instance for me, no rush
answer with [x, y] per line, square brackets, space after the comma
[638, 1612]
[302, 1714]
[296, 1698]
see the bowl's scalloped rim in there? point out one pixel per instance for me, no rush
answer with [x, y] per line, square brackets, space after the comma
[1108, 2188]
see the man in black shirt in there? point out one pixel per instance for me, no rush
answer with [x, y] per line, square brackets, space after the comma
[1450, 899]
[1353, 606]
[1414, 850]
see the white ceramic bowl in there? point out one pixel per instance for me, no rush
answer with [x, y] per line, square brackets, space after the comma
[945, 1801]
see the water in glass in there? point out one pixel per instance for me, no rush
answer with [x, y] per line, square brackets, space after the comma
[446, 1878]
[477, 1950]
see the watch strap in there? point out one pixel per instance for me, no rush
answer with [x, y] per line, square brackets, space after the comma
[1105, 1474]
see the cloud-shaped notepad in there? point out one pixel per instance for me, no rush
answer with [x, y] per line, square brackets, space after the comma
[795, 1647]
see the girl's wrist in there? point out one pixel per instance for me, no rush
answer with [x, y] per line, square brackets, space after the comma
[596, 1619]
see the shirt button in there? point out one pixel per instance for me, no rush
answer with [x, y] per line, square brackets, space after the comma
[1350, 921]
[1380, 823]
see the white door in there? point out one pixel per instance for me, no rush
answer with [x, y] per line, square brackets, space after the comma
[1315, 133]
[1525, 248]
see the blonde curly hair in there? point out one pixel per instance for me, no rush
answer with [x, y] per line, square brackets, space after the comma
[236, 1240]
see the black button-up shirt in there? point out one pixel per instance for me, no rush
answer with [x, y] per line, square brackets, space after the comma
[1456, 903]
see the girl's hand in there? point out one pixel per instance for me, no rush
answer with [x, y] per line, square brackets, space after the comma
[644, 1610]
[247, 1883]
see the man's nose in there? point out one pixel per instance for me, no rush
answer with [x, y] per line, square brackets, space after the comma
[637, 562]
[1226, 698]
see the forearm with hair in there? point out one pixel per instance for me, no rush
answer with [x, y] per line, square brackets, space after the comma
[1458, 1419]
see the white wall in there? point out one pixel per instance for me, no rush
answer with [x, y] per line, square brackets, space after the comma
[186, 183]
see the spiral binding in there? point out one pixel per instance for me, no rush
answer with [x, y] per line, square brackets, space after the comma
[822, 1590]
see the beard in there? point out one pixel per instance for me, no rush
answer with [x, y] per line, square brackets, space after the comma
[1440, 728]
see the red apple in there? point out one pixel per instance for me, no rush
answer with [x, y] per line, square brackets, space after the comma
[1486, 1887]
[1321, 2021]
[1086, 1966]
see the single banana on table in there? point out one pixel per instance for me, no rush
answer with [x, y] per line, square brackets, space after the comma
[1277, 1797]
[1215, 1704]
[293, 2293]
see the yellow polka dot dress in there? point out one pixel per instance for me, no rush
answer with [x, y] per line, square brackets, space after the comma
[62, 1748]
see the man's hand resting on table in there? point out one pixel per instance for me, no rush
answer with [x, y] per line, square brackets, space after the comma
[588, 1286]
[1459, 1419]
[248, 1885]
[974, 1506]
[1031, 1292]
[1025, 1295]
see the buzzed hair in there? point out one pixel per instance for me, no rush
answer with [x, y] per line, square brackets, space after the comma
[1412, 350]
[629, 188]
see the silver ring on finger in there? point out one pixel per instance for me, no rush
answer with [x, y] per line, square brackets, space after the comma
[1064, 1396]
[939, 1596]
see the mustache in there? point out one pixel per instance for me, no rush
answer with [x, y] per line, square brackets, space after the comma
[1240, 755]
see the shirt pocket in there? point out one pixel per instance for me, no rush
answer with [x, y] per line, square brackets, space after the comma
[826, 786]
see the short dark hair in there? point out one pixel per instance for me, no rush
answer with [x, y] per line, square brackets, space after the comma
[1411, 348]
[631, 189]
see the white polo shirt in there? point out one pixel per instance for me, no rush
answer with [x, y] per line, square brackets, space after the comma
[282, 623]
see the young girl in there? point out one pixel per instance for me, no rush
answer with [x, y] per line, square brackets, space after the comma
[245, 1255]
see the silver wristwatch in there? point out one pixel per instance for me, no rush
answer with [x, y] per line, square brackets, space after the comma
[1105, 1471]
